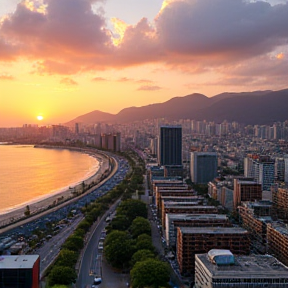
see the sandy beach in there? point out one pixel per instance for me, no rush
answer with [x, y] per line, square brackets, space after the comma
[61, 197]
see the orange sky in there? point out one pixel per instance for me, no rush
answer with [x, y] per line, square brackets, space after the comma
[64, 58]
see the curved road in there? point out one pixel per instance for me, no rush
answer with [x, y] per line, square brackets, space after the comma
[35, 217]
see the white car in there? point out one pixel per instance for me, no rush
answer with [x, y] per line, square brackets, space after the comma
[97, 281]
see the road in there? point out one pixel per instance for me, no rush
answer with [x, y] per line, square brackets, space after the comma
[52, 247]
[66, 203]
[91, 256]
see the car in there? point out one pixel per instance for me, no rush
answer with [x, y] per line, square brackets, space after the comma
[97, 281]
[100, 246]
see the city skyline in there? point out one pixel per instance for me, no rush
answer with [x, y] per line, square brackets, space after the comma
[60, 59]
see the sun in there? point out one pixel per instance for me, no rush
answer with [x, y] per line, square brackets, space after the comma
[40, 118]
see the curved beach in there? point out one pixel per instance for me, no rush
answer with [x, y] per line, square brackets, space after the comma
[50, 200]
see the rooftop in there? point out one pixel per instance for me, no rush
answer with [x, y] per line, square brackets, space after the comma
[196, 197]
[184, 217]
[280, 227]
[253, 266]
[212, 230]
[18, 261]
[190, 207]
[245, 182]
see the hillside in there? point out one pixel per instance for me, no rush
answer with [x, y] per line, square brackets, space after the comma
[258, 107]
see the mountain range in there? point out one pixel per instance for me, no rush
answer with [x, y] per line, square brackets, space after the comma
[258, 107]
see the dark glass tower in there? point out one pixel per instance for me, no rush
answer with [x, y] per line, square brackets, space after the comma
[170, 145]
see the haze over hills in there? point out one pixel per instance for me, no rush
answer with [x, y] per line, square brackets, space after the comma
[258, 107]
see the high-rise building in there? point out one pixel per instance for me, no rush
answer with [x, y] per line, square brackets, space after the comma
[246, 190]
[280, 169]
[286, 168]
[153, 146]
[111, 142]
[77, 130]
[203, 167]
[261, 169]
[170, 145]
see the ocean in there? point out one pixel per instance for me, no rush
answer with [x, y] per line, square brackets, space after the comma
[29, 174]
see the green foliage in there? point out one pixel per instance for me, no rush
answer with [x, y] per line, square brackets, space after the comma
[150, 272]
[140, 226]
[142, 255]
[144, 237]
[60, 286]
[120, 222]
[79, 232]
[132, 208]
[145, 244]
[95, 213]
[67, 258]
[62, 275]
[229, 171]
[118, 249]
[84, 224]
[74, 243]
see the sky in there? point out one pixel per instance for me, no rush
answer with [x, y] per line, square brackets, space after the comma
[64, 58]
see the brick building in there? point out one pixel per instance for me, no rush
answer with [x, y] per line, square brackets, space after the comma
[195, 240]
[172, 221]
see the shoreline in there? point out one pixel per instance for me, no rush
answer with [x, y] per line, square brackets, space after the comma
[52, 200]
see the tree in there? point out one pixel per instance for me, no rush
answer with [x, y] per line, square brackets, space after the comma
[145, 244]
[150, 272]
[132, 208]
[118, 249]
[62, 275]
[84, 224]
[74, 243]
[120, 222]
[141, 255]
[27, 211]
[79, 232]
[140, 226]
[67, 258]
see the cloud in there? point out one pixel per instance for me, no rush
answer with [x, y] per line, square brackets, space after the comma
[222, 30]
[7, 51]
[68, 81]
[195, 36]
[280, 56]
[99, 79]
[125, 79]
[263, 71]
[67, 34]
[149, 88]
[5, 76]
[144, 81]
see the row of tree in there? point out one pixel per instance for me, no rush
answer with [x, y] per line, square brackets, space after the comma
[128, 246]
[63, 270]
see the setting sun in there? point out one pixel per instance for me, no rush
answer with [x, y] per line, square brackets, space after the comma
[40, 117]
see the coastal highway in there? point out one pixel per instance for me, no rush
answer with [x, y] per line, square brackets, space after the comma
[47, 212]
[49, 251]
